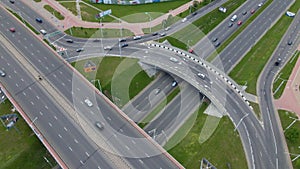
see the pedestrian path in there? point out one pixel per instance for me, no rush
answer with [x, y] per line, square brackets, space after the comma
[72, 20]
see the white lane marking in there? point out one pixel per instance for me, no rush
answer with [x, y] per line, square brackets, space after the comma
[108, 118]
[54, 75]
[29, 88]
[41, 113]
[133, 141]
[46, 107]
[37, 97]
[70, 148]
[127, 147]
[24, 93]
[92, 112]
[55, 117]
[22, 79]
[50, 124]
[121, 130]
[141, 161]
[75, 141]
[17, 85]
[31, 102]
[87, 154]
[59, 136]
[115, 135]
[63, 84]
[65, 129]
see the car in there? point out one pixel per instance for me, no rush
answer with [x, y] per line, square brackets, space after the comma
[88, 102]
[167, 28]
[162, 34]
[173, 59]
[230, 24]
[191, 51]
[157, 91]
[79, 50]
[201, 75]
[122, 40]
[214, 39]
[39, 20]
[233, 18]
[174, 83]
[107, 48]
[217, 44]
[12, 1]
[124, 45]
[137, 37]
[277, 63]
[155, 33]
[12, 29]
[194, 13]
[244, 12]
[290, 42]
[69, 40]
[260, 4]
[99, 125]
[2, 73]
[252, 11]
[183, 20]
[43, 31]
[239, 22]
[96, 40]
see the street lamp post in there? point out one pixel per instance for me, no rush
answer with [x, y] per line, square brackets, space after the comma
[150, 19]
[101, 33]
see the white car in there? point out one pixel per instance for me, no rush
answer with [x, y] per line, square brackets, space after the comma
[201, 75]
[260, 4]
[107, 48]
[173, 59]
[2, 73]
[137, 37]
[183, 20]
[88, 102]
[43, 31]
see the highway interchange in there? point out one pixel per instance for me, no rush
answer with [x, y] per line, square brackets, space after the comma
[255, 143]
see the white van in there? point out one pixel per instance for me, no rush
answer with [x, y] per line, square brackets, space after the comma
[43, 31]
[233, 18]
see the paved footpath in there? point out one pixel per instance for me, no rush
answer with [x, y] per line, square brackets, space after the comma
[72, 20]
[290, 99]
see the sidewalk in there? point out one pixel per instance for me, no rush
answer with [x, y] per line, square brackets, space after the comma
[290, 99]
[72, 20]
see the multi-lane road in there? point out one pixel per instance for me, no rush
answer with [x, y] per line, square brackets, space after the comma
[121, 139]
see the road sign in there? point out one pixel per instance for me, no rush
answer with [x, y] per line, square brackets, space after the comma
[104, 13]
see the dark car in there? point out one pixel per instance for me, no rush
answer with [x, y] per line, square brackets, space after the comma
[79, 49]
[290, 42]
[39, 20]
[244, 12]
[214, 39]
[230, 24]
[277, 63]
[122, 40]
[12, 1]
[217, 44]
[12, 29]
[155, 33]
[124, 45]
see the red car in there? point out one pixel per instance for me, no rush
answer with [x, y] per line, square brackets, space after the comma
[252, 11]
[191, 50]
[239, 22]
[12, 29]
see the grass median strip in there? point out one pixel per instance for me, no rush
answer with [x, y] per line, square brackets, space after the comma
[249, 68]
[256, 110]
[241, 29]
[291, 127]
[54, 12]
[96, 32]
[283, 76]
[159, 108]
[189, 151]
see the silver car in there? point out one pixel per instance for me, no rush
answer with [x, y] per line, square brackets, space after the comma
[2, 73]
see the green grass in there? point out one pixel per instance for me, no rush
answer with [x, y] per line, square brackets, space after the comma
[24, 21]
[159, 107]
[173, 41]
[121, 78]
[240, 29]
[195, 31]
[249, 68]
[21, 149]
[88, 14]
[96, 33]
[37, 0]
[256, 110]
[71, 6]
[222, 147]
[136, 13]
[293, 146]
[284, 75]
[53, 11]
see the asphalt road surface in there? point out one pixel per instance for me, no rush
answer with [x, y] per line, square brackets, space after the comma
[119, 133]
